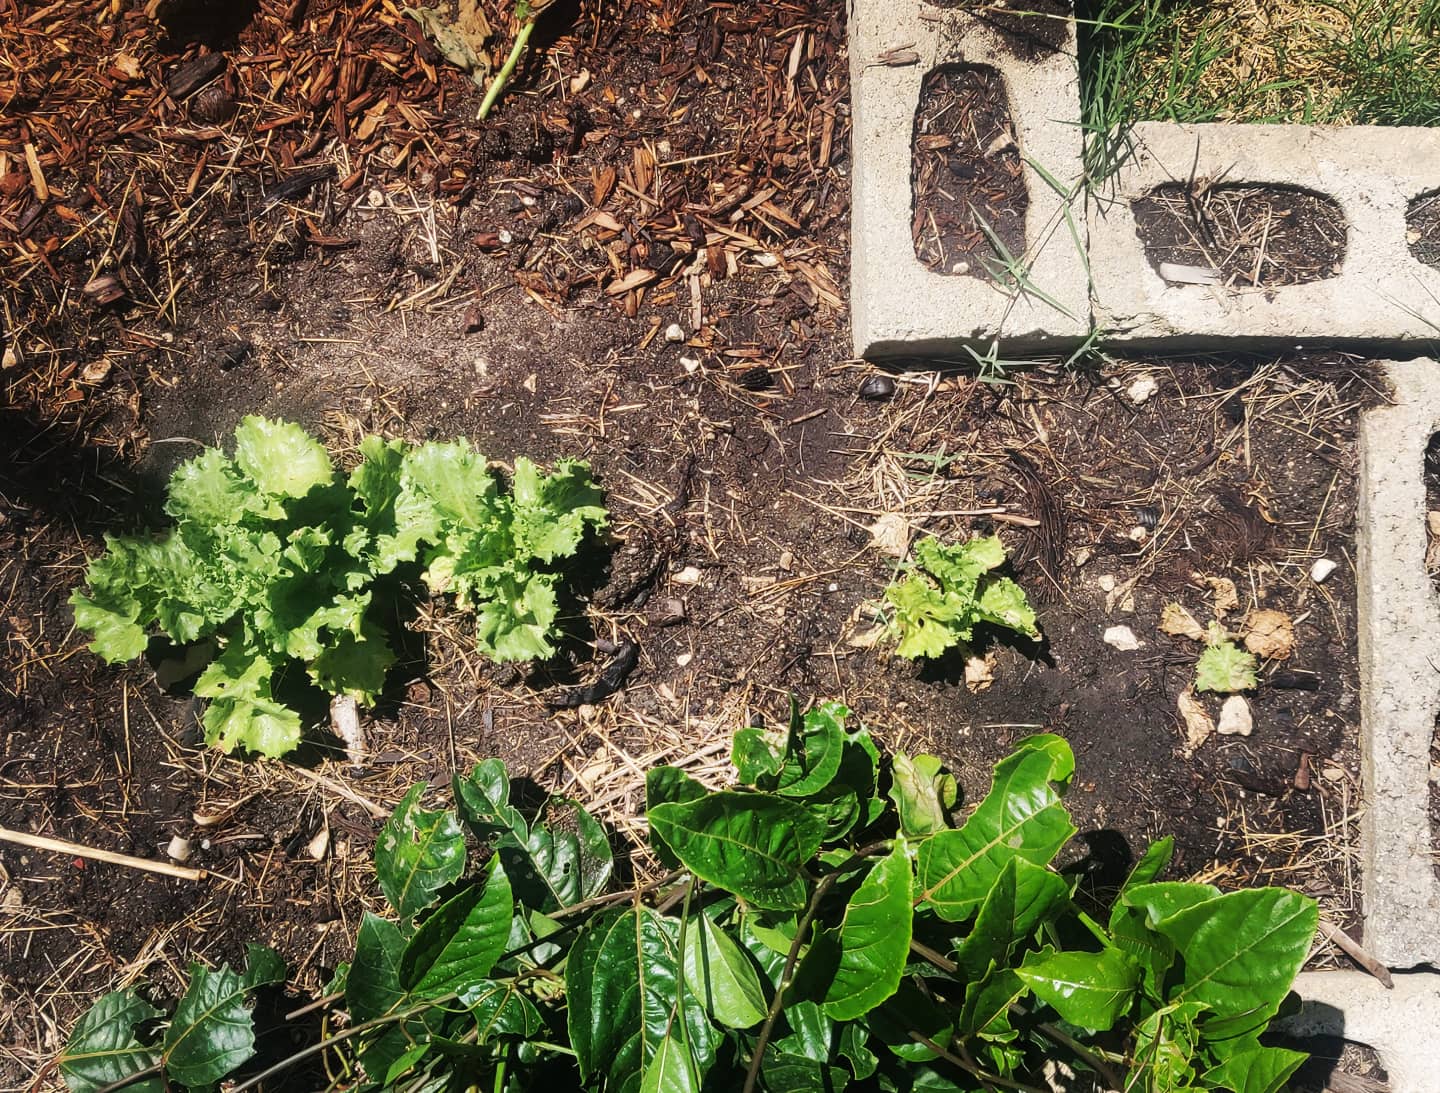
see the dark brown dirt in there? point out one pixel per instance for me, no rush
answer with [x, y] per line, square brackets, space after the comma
[741, 469]
[965, 177]
[1422, 228]
[1432, 566]
[1253, 236]
[1030, 29]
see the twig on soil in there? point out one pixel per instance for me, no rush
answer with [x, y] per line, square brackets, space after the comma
[343, 790]
[64, 846]
[1356, 953]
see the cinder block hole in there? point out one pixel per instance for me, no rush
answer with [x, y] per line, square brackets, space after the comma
[1422, 227]
[1028, 29]
[1240, 235]
[968, 192]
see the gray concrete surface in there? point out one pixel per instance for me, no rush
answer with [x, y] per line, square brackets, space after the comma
[898, 307]
[1399, 640]
[1382, 292]
[1401, 1025]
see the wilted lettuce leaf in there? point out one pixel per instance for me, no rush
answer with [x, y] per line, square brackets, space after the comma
[1225, 667]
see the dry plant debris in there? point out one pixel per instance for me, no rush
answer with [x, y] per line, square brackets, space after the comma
[1250, 236]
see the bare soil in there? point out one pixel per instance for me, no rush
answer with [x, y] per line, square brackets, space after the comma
[1422, 228]
[1030, 29]
[966, 180]
[515, 282]
[1249, 236]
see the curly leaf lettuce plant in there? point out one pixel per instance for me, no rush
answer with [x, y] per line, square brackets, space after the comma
[810, 934]
[275, 556]
[952, 589]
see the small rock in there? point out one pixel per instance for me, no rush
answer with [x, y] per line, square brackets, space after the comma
[1122, 638]
[876, 388]
[1139, 533]
[1235, 719]
[1083, 555]
[787, 560]
[179, 848]
[684, 659]
[1142, 390]
[95, 372]
[689, 575]
[1105, 582]
[979, 674]
[1321, 570]
[1333, 774]
[674, 333]
[690, 364]
[959, 269]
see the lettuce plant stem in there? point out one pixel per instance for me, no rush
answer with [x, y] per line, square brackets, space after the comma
[497, 85]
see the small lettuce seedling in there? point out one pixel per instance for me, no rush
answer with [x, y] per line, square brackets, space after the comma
[1224, 667]
[952, 589]
[275, 558]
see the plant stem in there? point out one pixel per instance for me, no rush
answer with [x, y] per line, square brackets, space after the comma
[970, 1068]
[801, 929]
[1049, 1031]
[497, 85]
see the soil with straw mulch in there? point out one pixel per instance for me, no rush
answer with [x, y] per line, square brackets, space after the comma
[1031, 30]
[1245, 236]
[968, 191]
[384, 264]
[1422, 228]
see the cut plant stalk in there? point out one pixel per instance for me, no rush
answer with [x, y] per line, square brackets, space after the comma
[527, 13]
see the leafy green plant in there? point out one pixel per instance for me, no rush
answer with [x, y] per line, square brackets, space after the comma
[1223, 666]
[811, 933]
[952, 589]
[275, 560]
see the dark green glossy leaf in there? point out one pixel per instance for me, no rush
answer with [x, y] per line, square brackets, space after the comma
[1022, 816]
[672, 1068]
[263, 966]
[750, 844]
[566, 858]
[417, 854]
[722, 976]
[1091, 990]
[988, 1001]
[785, 1073]
[372, 987]
[1256, 1070]
[405, 1063]
[812, 757]
[854, 1037]
[211, 1033]
[461, 941]
[622, 986]
[757, 756]
[1022, 897]
[669, 785]
[874, 938]
[500, 1009]
[105, 1049]
[1242, 950]
[1154, 862]
[923, 792]
[484, 801]
[1165, 1049]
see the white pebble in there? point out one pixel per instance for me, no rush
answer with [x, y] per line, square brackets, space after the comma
[1142, 390]
[674, 333]
[689, 575]
[1122, 638]
[690, 364]
[684, 658]
[1235, 719]
[179, 848]
[1321, 570]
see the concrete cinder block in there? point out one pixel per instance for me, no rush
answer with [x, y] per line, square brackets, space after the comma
[898, 306]
[1382, 293]
[1399, 641]
[1399, 1024]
